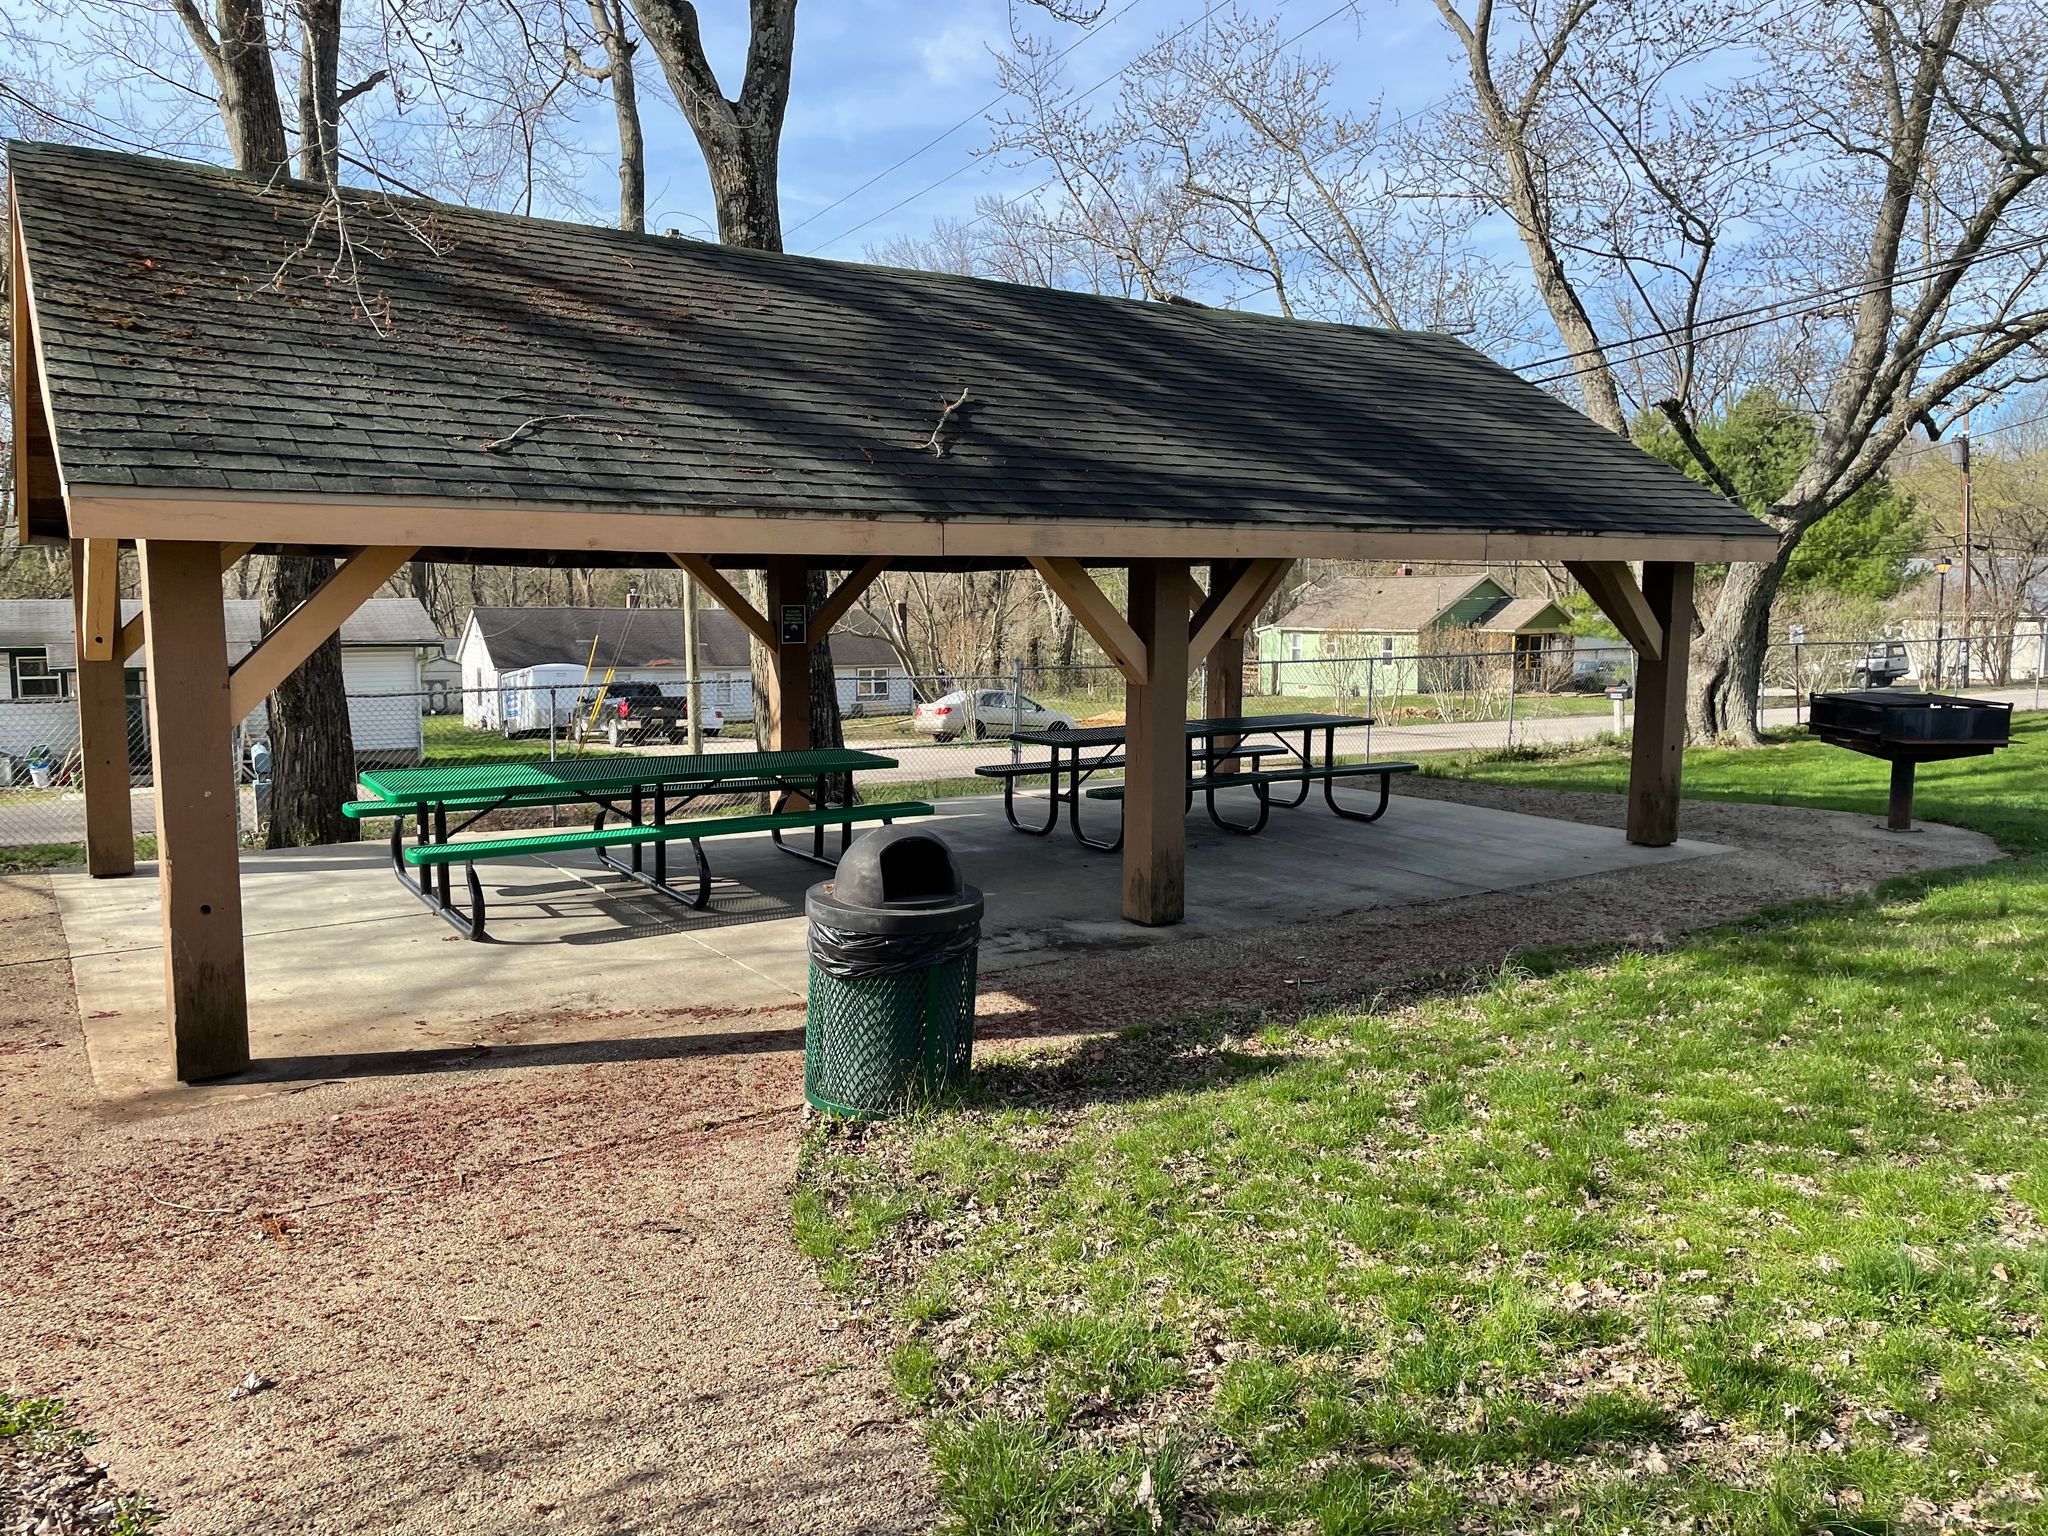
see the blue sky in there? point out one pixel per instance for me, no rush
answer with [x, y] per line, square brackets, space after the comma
[875, 79]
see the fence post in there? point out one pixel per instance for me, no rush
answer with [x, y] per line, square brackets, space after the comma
[1016, 704]
[1371, 691]
[1512, 670]
[2040, 663]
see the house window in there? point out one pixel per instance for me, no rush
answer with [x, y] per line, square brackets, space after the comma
[1329, 643]
[1294, 646]
[1386, 647]
[32, 677]
[871, 682]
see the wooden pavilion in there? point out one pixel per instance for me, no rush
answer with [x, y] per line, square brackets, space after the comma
[206, 365]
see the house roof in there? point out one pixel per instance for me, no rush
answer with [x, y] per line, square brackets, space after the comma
[642, 637]
[203, 364]
[1396, 605]
[1520, 613]
[46, 623]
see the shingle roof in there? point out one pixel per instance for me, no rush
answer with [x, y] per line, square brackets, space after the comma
[47, 622]
[188, 346]
[1366, 605]
[1516, 614]
[642, 637]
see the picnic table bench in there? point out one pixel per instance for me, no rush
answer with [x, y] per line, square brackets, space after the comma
[645, 790]
[1211, 742]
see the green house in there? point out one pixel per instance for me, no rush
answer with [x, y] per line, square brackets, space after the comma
[1346, 636]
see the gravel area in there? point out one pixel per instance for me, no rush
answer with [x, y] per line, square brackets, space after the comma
[564, 1297]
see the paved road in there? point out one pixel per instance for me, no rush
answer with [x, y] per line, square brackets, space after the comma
[59, 817]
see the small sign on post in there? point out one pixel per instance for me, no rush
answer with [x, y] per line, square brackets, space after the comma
[794, 623]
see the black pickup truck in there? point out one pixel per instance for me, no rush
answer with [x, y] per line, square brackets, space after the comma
[637, 712]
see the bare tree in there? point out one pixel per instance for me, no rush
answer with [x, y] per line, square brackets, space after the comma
[609, 30]
[1930, 216]
[1882, 162]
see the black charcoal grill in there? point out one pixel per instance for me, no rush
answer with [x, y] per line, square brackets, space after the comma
[1907, 729]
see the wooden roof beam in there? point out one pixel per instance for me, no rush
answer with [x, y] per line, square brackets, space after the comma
[306, 627]
[1096, 613]
[1612, 585]
[729, 597]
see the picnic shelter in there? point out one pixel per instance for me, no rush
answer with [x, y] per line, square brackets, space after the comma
[207, 365]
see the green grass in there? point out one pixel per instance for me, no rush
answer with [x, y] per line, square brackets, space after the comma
[33, 858]
[1749, 1235]
[2001, 795]
[36, 1427]
[448, 742]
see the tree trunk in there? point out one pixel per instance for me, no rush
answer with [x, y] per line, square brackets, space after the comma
[320, 91]
[239, 57]
[741, 138]
[626, 107]
[1728, 659]
[312, 751]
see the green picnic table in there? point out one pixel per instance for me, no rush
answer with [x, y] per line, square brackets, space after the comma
[646, 793]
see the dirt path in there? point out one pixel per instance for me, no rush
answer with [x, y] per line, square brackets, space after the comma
[560, 1300]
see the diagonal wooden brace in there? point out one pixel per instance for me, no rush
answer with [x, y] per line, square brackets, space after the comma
[1228, 607]
[1096, 613]
[307, 626]
[729, 597]
[1612, 585]
[843, 597]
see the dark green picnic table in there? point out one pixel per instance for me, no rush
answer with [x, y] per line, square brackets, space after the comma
[645, 792]
[1212, 741]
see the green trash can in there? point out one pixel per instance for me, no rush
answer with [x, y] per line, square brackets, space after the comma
[894, 937]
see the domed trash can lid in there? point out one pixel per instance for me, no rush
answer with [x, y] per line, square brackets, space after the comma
[897, 880]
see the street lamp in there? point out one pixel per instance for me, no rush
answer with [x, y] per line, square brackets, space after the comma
[1941, 568]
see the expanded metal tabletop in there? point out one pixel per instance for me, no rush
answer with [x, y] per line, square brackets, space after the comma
[1227, 725]
[625, 771]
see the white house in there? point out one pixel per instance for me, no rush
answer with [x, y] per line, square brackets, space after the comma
[382, 648]
[646, 645]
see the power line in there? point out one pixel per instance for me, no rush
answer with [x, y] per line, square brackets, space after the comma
[1114, 75]
[981, 111]
[1626, 350]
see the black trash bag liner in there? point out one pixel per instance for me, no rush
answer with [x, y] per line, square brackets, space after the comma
[852, 956]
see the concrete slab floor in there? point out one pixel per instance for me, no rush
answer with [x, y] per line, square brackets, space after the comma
[348, 974]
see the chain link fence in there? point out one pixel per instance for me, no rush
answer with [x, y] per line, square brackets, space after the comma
[939, 729]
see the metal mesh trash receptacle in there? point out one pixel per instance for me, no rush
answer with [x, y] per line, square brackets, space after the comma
[893, 942]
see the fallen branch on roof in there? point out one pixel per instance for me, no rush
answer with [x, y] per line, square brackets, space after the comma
[937, 447]
[524, 430]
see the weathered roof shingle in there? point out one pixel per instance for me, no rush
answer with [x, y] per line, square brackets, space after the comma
[203, 329]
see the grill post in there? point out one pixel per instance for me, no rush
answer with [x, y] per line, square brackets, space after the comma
[1900, 818]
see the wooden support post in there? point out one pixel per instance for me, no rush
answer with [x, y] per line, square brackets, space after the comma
[96, 586]
[1155, 747]
[191, 729]
[1657, 758]
[1223, 677]
[789, 617]
[103, 745]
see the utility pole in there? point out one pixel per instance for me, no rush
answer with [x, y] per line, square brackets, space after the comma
[1969, 558]
[693, 692]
